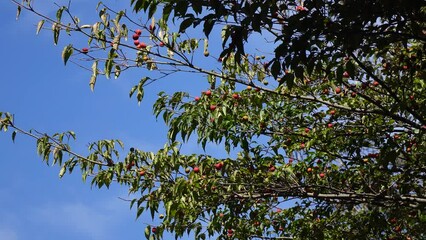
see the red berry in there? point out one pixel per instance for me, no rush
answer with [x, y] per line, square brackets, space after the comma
[136, 42]
[84, 50]
[375, 83]
[307, 130]
[330, 125]
[235, 96]
[322, 175]
[346, 75]
[196, 169]
[208, 93]
[138, 32]
[212, 107]
[142, 45]
[332, 112]
[135, 36]
[161, 44]
[218, 166]
[309, 170]
[197, 99]
[141, 173]
[271, 168]
[300, 8]
[154, 229]
[302, 145]
[338, 90]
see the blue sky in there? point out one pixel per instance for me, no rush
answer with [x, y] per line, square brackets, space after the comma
[45, 95]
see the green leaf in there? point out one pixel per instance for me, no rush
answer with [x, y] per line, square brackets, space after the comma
[59, 14]
[18, 12]
[185, 24]
[56, 30]
[94, 75]
[13, 135]
[62, 171]
[66, 53]
[40, 26]
[147, 231]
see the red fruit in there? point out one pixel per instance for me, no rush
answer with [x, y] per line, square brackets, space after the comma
[332, 112]
[221, 215]
[330, 125]
[84, 50]
[136, 42]
[346, 75]
[309, 170]
[235, 96]
[322, 175]
[307, 130]
[338, 90]
[278, 210]
[302, 145]
[130, 165]
[290, 161]
[208, 93]
[376, 83]
[197, 99]
[141, 173]
[154, 229]
[230, 231]
[300, 8]
[405, 67]
[135, 36]
[218, 166]
[162, 44]
[412, 97]
[196, 169]
[138, 32]
[272, 168]
[142, 45]
[392, 220]
[212, 107]
[397, 229]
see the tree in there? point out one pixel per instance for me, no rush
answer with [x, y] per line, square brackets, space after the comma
[325, 131]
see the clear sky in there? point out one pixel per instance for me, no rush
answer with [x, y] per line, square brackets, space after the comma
[46, 96]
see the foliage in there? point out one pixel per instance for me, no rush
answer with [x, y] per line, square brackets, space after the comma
[325, 135]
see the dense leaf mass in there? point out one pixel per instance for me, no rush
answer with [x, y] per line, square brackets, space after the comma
[325, 133]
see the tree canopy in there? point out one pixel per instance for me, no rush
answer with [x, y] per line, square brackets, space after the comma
[320, 106]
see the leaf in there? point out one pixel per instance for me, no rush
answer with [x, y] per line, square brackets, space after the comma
[339, 74]
[39, 26]
[56, 30]
[66, 53]
[94, 75]
[185, 24]
[59, 14]
[108, 67]
[13, 135]
[63, 171]
[18, 12]
[208, 26]
[147, 231]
